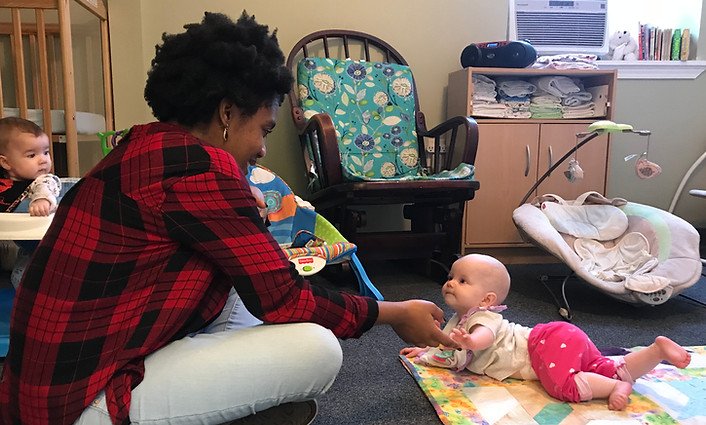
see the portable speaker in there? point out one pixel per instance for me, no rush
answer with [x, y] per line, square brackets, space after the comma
[499, 54]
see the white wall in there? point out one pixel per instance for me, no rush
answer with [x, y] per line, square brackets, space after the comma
[431, 36]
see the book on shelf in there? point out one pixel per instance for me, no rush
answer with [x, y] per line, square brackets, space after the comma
[685, 38]
[662, 44]
[650, 43]
[676, 45]
[666, 45]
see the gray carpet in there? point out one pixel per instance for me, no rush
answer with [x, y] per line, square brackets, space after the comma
[374, 388]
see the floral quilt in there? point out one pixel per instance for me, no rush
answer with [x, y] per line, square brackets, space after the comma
[666, 395]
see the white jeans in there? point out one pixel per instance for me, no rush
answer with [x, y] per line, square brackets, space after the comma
[221, 375]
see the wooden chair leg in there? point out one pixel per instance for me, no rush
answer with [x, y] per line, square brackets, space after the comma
[452, 226]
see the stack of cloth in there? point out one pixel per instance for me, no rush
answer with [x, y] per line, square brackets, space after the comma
[548, 97]
[485, 102]
[545, 106]
[558, 94]
[515, 95]
[566, 61]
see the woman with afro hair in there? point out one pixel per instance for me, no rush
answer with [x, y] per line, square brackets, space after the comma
[158, 295]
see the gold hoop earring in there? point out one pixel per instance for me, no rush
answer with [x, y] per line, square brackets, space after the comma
[225, 133]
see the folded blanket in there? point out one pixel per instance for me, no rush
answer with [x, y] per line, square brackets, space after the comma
[578, 98]
[557, 85]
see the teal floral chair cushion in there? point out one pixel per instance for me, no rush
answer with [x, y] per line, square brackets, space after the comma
[372, 106]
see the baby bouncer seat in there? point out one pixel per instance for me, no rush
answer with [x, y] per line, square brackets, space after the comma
[309, 241]
[633, 252]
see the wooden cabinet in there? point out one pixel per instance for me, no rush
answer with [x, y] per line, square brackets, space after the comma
[504, 168]
[514, 153]
[555, 141]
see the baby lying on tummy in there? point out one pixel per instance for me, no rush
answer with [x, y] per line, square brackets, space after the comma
[558, 354]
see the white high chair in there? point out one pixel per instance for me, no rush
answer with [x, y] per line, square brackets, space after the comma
[20, 226]
[16, 227]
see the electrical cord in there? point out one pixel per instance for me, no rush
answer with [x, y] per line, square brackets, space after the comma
[565, 313]
[686, 177]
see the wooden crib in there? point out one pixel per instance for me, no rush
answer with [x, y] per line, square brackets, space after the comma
[38, 76]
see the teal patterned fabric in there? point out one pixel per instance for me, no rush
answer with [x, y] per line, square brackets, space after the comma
[372, 107]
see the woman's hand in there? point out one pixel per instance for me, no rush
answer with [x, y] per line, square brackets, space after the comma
[416, 322]
[412, 352]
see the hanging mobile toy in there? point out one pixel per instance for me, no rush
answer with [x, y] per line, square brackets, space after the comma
[574, 172]
[644, 168]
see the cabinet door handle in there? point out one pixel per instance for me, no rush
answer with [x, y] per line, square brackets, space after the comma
[527, 160]
[551, 157]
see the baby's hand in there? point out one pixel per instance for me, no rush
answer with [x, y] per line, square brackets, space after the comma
[40, 208]
[412, 352]
[462, 337]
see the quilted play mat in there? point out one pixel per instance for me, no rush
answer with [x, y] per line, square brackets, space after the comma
[666, 395]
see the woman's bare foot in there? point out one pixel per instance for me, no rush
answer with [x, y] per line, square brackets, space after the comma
[618, 398]
[673, 352]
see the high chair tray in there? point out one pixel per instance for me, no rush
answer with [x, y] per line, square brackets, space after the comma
[22, 227]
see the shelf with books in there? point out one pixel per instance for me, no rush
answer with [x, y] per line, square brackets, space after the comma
[663, 44]
[655, 70]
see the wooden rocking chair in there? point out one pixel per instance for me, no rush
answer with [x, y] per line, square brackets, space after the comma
[363, 139]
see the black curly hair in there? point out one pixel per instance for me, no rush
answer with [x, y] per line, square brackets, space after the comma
[214, 60]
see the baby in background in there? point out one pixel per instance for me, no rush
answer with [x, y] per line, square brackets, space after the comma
[558, 354]
[26, 166]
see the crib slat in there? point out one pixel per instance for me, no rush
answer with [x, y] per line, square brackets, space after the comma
[18, 54]
[53, 71]
[88, 77]
[43, 73]
[34, 69]
[69, 88]
[2, 96]
[107, 76]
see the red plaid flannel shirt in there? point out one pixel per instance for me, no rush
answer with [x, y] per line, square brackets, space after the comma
[142, 252]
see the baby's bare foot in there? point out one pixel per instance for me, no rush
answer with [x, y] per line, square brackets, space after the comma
[618, 398]
[673, 352]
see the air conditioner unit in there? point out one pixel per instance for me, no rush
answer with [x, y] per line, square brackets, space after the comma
[560, 26]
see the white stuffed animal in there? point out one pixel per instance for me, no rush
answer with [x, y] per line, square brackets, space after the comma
[622, 46]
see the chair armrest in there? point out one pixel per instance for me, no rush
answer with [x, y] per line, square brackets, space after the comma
[469, 142]
[320, 147]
